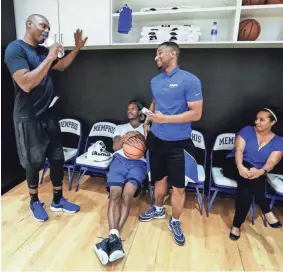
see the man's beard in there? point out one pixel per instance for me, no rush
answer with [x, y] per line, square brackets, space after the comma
[133, 118]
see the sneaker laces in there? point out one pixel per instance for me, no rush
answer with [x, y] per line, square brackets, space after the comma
[102, 238]
[177, 227]
[151, 210]
[38, 203]
[64, 199]
[107, 238]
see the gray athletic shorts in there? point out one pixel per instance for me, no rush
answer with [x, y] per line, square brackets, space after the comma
[37, 140]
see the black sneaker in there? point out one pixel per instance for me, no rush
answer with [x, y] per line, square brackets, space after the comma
[102, 250]
[116, 248]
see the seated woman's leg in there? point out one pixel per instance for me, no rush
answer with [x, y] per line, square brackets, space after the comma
[244, 193]
[242, 204]
[230, 169]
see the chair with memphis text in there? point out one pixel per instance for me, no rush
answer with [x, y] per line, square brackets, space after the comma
[100, 131]
[198, 184]
[218, 183]
[70, 128]
[273, 189]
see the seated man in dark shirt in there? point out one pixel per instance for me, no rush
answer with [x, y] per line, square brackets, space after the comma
[36, 125]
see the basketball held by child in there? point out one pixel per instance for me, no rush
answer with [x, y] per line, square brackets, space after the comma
[134, 147]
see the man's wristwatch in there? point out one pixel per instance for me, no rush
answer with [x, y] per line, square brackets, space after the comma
[265, 171]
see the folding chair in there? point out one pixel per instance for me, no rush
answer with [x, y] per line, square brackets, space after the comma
[199, 143]
[273, 189]
[100, 130]
[73, 127]
[218, 182]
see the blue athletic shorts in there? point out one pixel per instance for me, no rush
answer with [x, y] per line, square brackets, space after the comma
[123, 170]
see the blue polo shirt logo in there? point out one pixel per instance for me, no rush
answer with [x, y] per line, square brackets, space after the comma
[172, 92]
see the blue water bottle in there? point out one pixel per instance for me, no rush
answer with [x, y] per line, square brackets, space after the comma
[214, 32]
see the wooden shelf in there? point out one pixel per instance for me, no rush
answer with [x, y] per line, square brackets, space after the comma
[256, 44]
[182, 14]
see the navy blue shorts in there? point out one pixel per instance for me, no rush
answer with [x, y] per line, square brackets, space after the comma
[168, 158]
[123, 170]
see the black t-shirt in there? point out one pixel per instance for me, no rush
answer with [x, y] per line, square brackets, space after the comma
[20, 55]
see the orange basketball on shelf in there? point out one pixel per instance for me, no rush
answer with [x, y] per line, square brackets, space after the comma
[135, 149]
[249, 30]
[253, 2]
[274, 2]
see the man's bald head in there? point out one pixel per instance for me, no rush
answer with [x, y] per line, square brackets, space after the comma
[34, 18]
[36, 26]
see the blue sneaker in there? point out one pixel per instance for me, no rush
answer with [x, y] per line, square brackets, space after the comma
[102, 251]
[64, 206]
[178, 236]
[38, 212]
[151, 214]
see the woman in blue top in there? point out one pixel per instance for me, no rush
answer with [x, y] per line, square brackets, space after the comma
[257, 151]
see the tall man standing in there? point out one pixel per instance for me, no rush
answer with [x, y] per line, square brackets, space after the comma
[177, 101]
[36, 125]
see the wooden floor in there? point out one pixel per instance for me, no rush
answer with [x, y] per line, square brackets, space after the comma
[65, 242]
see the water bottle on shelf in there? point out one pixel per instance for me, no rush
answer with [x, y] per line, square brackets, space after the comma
[214, 32]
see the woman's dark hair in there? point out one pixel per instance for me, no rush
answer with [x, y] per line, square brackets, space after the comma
[277, 128]
[273, 113]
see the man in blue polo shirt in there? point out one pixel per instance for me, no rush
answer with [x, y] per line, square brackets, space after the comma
[177, 101]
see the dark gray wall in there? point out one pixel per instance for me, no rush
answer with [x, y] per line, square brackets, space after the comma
[235, 83]
[11, 170]
[99, 84]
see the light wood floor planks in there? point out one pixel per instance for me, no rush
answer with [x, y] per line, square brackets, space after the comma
[65, 242]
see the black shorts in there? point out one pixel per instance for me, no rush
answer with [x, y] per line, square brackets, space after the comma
[167, 158]
[38, 139]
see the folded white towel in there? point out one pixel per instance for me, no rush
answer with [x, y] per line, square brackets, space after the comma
[170, 28]
[151, 39]
[169, 36]
[167, 8]
[178, 32]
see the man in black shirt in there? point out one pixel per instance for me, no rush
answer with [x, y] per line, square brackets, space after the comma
[36, 125]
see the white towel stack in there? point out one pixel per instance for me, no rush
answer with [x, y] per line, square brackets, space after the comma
[174, 33]
[167, 8]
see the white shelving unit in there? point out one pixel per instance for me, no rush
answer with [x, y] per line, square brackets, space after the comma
[270, 18]
[99, 21]
[270, 11]
[201, 13]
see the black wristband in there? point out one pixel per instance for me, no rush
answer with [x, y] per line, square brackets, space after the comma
[265, 171]
[148, 123]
